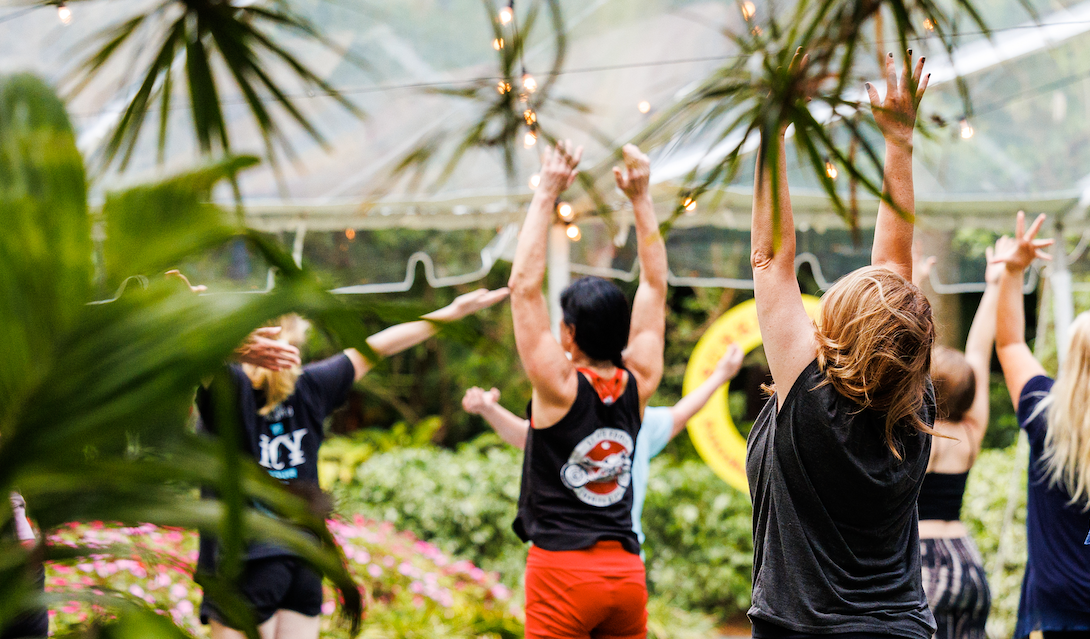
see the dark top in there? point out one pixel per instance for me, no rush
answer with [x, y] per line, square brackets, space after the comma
[285, 442]
[941, 496]
[1056, 584]
[835, 534]
[576, 474]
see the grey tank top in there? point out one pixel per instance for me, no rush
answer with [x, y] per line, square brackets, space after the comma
[835, 531]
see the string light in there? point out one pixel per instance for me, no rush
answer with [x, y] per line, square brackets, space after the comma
[928, 25]
[503, 87]
[644, 106]
[573, 233]
[690, 206]
[565, 211]
[535, 180]
[529, 139]
[64, 14]
[830, 169]
[748, 10]
[506, 14]
[966, 129]
[529, 116]
[350, 233]
[756, 30]
[529, 83]
[497, 44]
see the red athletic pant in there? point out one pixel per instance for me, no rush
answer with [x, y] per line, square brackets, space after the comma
[598, 593]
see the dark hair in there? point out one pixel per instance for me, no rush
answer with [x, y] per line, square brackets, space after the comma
[598, 312]
[955, 383]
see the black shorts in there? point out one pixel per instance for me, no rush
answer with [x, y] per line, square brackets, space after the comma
[271, 584]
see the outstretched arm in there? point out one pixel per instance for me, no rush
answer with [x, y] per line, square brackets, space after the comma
[647, 335]
[397, 338]
[896, 117]
[690, 405]
[551, 373]
[1015, 357]
[978, 346]
[510, 427]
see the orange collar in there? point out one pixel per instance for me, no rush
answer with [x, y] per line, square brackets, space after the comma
[609, 390]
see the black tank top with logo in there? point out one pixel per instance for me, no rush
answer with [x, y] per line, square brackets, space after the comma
[576, 474]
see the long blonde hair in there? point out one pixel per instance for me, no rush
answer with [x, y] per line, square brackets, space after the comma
[1066, 458]
[875, 334]
[279, 385]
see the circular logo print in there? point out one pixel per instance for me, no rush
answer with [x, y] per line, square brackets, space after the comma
[599, 469]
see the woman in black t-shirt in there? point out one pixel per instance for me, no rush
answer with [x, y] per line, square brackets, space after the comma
[837, 455]
[280, 415]
[584, 576]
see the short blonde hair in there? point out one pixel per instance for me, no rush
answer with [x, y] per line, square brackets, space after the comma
[1066, 458]
[875, 334]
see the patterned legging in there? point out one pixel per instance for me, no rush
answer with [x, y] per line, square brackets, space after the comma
[956, 587]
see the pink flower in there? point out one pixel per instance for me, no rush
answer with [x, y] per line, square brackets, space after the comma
[71, 608]
[136, 590]
[328, 607]
[62, 569]
[178, 591]
[374, 570]
[185, 607]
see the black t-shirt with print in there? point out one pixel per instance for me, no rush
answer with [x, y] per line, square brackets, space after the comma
[284, 442]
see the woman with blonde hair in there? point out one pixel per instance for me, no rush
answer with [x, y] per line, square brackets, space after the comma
[836, 457]
[953, 571]
[1056, 416]
[281, 413]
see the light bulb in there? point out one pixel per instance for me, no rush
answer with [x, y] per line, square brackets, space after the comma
[506, 14]
[529, 139]
[830, 169]
[928, 25]
[565, 211]
[503, 87]
[690, 205]
[748, 9]
[966, 129]
[644, 106]
[64, 14]
[529, 83]
[535, 180]
[497, 44]
[573, 233]
[350, 233]
[529, 116]
[757, 31]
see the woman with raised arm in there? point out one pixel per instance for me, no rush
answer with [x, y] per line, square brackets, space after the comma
[836, 457]
[953, 572]
[1056, 416]
[280, 412]
[584, 576]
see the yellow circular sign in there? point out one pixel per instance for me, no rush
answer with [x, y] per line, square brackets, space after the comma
[712, 430]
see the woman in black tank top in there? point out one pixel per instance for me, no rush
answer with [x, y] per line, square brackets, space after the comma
[953, 572]
[837, 455]
[584, 575]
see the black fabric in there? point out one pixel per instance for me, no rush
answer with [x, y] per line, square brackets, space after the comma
[576, 474]
[835, 534]
[956, 587]
[941, 496]
[285, 442]
[271, 584]
[33, 623]
[765, 630]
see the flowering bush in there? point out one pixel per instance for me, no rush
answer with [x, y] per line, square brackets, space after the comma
[413, 589]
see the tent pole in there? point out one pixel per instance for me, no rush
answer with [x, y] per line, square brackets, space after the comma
[1063, 305]
[559, 273]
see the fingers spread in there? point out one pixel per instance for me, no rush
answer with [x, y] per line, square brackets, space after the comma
[891, 76]
[872, 93]
[1035, 227]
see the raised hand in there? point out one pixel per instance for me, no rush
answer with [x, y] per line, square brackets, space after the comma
[994, 269]
[635, 178]
[558, 167]
[1020, 251]
[896, 114]
[263, 349]
[478, 400]
[200, 288]
[469, 303]
[730, 363]
[921, 266]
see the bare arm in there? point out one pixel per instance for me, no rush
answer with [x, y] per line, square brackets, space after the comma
[896, 117]
[1015, 357]
[510, 427]
[551, 373]
[787, 331]
[646, 339]
[978, 351]
[691, 404]
[395, 339]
